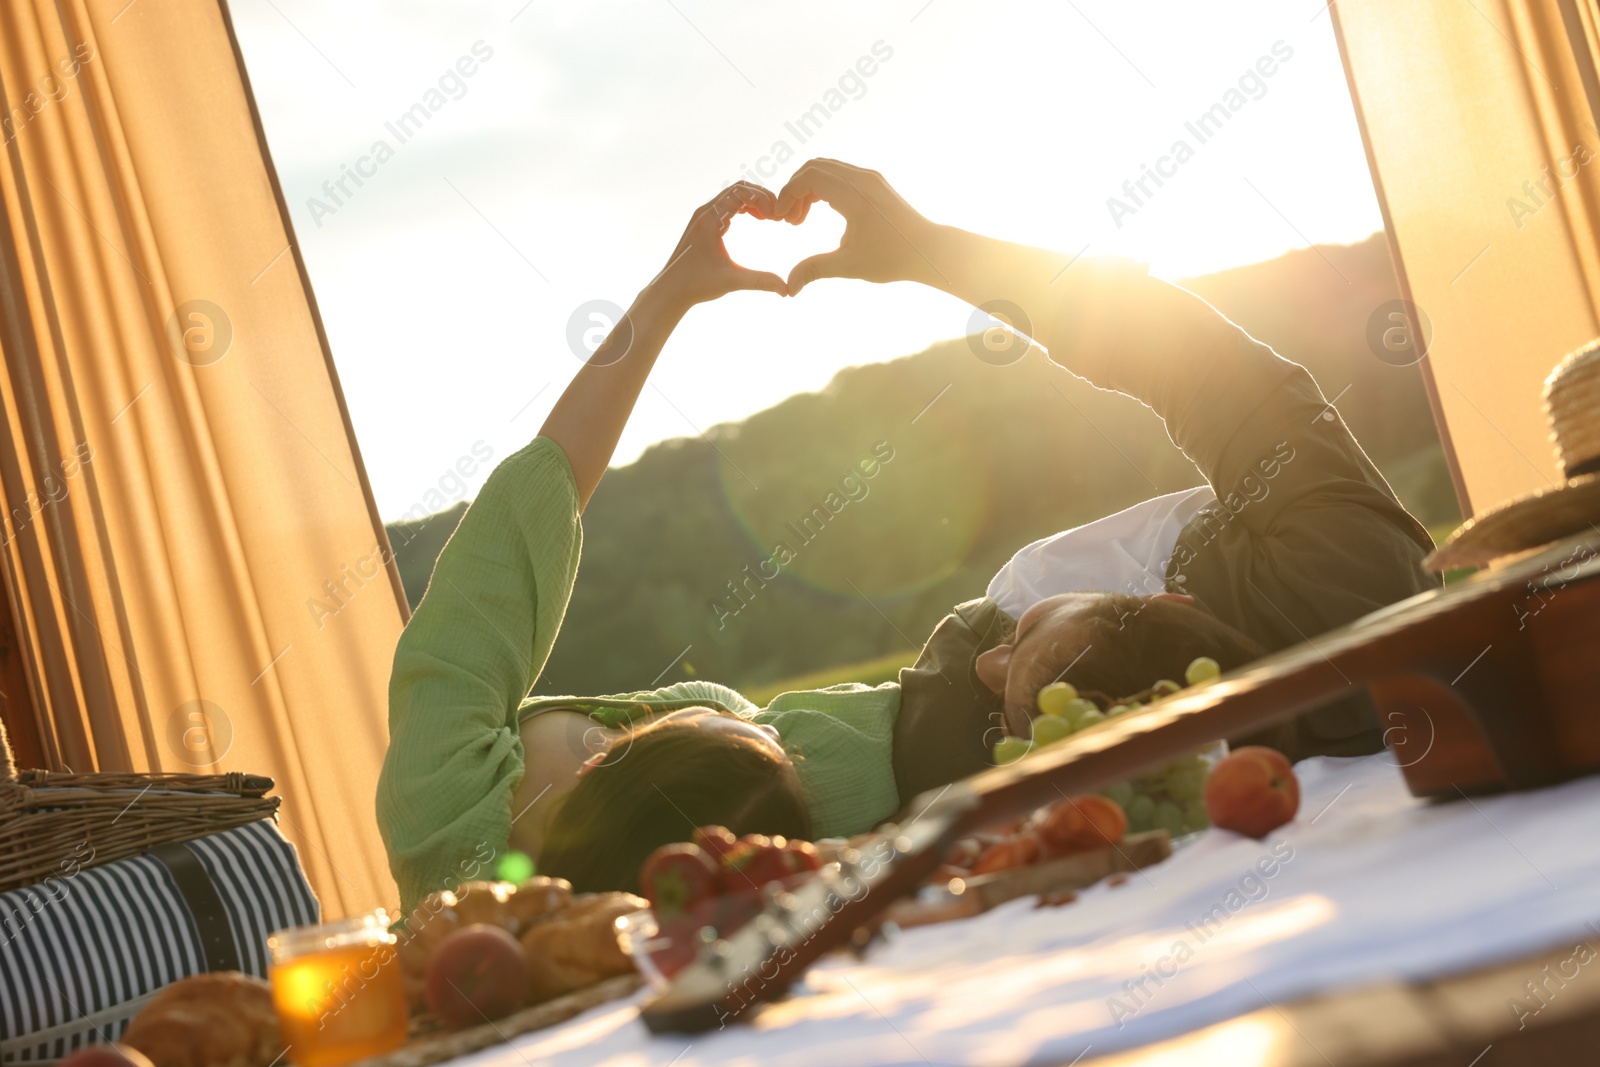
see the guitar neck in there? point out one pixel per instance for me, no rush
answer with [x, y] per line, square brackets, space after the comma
[1471, 640]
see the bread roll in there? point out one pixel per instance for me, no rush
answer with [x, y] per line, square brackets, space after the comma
[485, 902]
[578, 947]
[535, 900]
[224, 1019]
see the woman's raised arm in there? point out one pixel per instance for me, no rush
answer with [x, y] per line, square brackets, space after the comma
[588, 419]
[480, 637]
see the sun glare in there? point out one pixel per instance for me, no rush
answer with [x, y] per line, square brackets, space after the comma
[464, 178]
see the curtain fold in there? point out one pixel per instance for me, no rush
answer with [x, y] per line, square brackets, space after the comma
[191, 554]
[1480, 126]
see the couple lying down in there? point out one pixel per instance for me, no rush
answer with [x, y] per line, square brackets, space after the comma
[1294, 533]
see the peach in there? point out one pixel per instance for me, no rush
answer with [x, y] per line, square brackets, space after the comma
[1019, 851]
[1080, 824]
[1253, 791]
[478, 973]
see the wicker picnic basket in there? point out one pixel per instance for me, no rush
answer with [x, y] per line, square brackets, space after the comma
[53, 824]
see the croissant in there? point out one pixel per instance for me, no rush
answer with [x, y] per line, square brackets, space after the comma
[577, 946]
[534, 900]
[483, 902]
[224, 1019]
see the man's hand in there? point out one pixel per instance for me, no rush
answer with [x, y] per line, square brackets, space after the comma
[700, 268]
[884, 240]
[1052, 636]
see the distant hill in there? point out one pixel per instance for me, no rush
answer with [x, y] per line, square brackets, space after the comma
[417, 543]
[832, 528]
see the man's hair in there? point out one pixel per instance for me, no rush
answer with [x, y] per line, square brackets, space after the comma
[1136, 641]
[656, 788]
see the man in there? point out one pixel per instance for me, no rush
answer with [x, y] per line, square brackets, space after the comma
[1296, 533]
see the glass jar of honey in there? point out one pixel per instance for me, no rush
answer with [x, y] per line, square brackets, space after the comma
[338, 990]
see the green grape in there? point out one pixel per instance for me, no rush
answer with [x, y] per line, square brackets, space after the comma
[1164, 688]
[1010, 749]
[1194, 816]
[1202, 669]
[1048, 729]
[1077, 707]
[1187, 783]
[1117, 709]
[1121, 794]
[1088, 719]
[1141, 811]
[1169, 817]
[1056, 698]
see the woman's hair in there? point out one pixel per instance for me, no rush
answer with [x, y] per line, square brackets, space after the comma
[1136, 641]
[655, 788]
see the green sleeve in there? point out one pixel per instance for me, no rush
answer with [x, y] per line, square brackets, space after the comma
[471, 652]
[841, 740]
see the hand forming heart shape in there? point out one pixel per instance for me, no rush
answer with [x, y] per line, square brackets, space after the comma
[769, 245]
[883, 239]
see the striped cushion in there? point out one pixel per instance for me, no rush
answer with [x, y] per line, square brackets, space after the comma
[79, 955]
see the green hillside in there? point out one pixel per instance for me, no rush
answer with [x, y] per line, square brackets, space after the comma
[838, 527]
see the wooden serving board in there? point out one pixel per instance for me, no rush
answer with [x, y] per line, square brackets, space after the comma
[1079, 871]
[438, 1047]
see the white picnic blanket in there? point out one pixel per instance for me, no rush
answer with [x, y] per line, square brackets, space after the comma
[1368, 884]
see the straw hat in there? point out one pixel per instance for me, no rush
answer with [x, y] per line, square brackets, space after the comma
[1572, 402]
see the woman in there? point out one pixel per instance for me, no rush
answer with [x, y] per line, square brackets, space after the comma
[456, 778]
[1296, 534]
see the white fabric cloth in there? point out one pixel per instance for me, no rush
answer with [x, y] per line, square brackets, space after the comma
[1370, 885]
[1127, 552]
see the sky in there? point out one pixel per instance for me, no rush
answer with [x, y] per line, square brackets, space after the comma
[563, 146]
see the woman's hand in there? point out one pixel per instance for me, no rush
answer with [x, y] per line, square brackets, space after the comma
[885, 240]
[700, 268]
[589, 418]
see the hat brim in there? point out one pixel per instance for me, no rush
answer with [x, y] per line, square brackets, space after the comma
[1522, 524]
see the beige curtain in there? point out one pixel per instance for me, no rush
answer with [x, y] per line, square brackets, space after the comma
[1481, 133]
[191, 552]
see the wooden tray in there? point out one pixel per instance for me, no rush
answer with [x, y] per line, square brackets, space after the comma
[440, 1046]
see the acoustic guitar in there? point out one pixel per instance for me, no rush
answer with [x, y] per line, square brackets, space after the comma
[1490, 684]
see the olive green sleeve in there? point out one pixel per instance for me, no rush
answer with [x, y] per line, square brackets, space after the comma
[471, 652]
